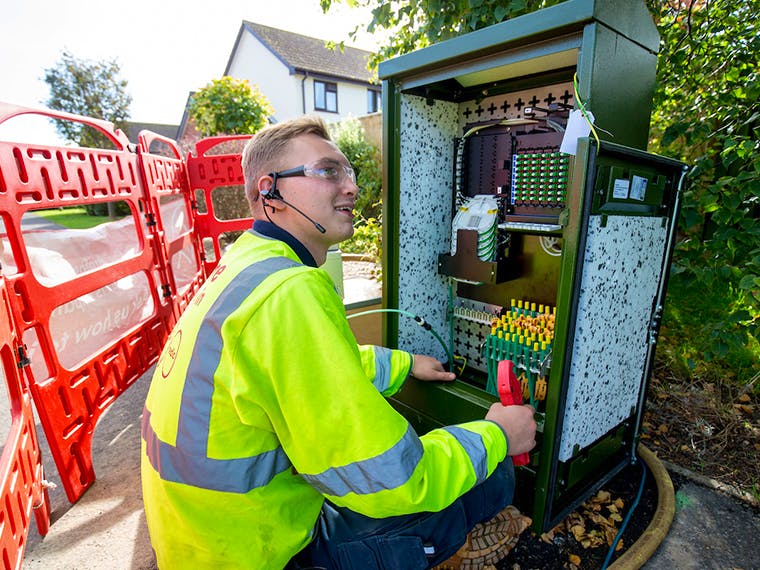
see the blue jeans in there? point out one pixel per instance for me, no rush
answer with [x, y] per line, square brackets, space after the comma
[345, 539]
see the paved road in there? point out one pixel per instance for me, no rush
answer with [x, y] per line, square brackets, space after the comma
[710, 530]
[106, 529]
[32, 221]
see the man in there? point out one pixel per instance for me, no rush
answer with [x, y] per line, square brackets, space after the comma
[263, 407]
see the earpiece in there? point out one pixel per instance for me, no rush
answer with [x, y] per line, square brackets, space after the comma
[272, 193]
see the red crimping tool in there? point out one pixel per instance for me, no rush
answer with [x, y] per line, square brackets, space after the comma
[510, 393]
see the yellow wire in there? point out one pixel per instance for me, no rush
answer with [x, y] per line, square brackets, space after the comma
[583, 110]
[463, 361]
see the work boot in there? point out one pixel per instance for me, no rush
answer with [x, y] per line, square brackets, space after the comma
[488, 542]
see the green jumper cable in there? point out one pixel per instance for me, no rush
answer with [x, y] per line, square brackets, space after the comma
[420, 321]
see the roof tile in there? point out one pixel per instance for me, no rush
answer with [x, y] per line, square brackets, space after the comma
[303, 53]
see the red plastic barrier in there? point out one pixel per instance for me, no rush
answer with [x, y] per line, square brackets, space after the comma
[21, 476]
[208, 172]
[74, 374]
[70, 399]
[170, 205]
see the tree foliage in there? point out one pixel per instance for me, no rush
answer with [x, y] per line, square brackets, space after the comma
[88, 88]
[229, 106]
[414, 24]
[366, 160]
[367, 163]
[707, 112]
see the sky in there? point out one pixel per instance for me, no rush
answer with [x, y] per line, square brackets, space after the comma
[165, 48]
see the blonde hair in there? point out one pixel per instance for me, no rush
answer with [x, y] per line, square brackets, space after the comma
[264, 152]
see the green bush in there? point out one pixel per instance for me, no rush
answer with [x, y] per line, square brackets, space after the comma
[120, 209]
[707, 112]
[366, 159]
[367, 238]
[703, 333]
[229, 106]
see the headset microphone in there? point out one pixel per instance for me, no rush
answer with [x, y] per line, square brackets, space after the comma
[275, 195]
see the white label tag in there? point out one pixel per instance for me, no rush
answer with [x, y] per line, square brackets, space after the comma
[620, 190]
[577, 127]
[638, 188]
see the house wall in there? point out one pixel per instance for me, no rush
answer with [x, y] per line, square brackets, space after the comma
[352, 100]
[254, 62]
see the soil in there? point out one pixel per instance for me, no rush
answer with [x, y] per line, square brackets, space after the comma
[561, 549]
[703, 430]
[709, 428]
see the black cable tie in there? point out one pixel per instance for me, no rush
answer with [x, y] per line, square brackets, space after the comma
[23, 359]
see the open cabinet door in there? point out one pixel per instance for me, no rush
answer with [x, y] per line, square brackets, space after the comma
[21, 474]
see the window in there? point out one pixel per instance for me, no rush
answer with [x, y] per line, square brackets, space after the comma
[326, 96]
[374, 101]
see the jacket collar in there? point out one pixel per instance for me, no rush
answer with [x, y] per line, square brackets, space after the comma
[270, 230]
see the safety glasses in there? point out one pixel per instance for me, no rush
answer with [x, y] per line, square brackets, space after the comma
[329, 171]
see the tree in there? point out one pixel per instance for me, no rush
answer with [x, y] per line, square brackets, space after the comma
[229, 106]
[707, 112]
[414, 24]
[88, 88]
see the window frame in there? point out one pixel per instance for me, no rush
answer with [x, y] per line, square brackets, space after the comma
[374, 99]
[327, 88]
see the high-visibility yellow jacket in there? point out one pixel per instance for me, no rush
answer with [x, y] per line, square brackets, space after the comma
[262, 405]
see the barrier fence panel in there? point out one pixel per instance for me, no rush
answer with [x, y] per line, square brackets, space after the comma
[170, 204]
[85, 312]
[216, 177]
[88, 304]
[21, 476]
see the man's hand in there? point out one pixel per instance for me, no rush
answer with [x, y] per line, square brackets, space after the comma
[518, 425]
[428, 368]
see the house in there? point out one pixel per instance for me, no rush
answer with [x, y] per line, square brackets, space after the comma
[133, 129]
[300, 75]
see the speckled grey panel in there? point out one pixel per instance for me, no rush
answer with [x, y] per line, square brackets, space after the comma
[622, 269]
[426, 165]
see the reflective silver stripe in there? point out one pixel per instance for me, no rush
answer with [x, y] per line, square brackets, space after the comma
[382, 377]
[388, 470]
[187, 461]
[473, 444]
[229, 475]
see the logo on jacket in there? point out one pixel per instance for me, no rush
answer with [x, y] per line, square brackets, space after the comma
[169, 356]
